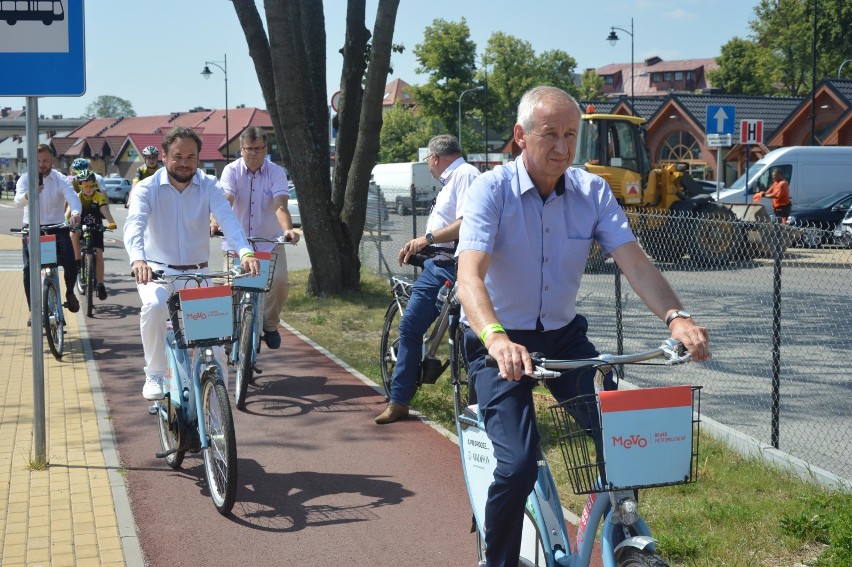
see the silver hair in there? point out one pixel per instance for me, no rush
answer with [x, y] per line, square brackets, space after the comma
[444, 145]
[533, 97]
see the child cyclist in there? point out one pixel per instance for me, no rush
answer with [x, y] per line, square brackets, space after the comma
[92, 213]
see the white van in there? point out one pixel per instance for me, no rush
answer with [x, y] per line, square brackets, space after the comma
[396, 179]
[812, 171]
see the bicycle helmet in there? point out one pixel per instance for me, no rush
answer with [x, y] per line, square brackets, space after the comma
[79, 165]
[150, 151]
[85, 175]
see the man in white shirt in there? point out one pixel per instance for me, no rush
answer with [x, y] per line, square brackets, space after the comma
[167, 229]
[258, 191]
[446, 164]
[54, 192]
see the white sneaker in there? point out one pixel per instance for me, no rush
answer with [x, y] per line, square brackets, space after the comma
[153, 389]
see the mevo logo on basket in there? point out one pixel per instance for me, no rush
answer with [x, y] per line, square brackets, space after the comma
[207, 312]
[647, 435]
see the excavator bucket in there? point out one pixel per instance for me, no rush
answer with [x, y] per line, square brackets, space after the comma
[757, 225]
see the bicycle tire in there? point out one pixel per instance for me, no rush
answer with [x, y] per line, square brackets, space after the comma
[635, 557]
[91, 278]
[51, 309]
[245, 346]
[460, 369]
[390, 345]
[171, 438]
[532, 545]
[220, 457]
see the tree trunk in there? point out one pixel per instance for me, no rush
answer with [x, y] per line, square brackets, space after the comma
[290, 64]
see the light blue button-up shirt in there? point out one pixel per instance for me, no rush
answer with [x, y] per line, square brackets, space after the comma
[539, 248]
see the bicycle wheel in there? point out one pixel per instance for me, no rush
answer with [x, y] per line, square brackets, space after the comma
[532, 547]
[171, 437]
[91, 278]
[51, 309]
[468, 395]
[390, 345]
[245, 346]
[634, 557]
[220, 457]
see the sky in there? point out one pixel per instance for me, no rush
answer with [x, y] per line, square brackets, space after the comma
[152, 52]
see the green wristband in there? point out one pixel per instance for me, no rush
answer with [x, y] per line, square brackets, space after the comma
[489, 329]
[247, 255]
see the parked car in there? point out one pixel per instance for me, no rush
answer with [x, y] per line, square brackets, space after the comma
[117, 188]
[293, 206]
[843, 232]
[709, 186]
[817, 221]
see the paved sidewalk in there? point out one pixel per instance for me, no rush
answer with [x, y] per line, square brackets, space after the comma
[76, 511]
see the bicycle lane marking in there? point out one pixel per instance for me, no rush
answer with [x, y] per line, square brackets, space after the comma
[572, 519]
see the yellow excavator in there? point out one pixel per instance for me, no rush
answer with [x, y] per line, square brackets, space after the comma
[689, 222]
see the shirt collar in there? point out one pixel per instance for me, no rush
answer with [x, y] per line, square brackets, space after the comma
[450, 168]
[526, 182]
[244, 170]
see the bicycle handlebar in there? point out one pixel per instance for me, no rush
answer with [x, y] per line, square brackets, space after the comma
[26, 229]
[672, 350]
[252, 239]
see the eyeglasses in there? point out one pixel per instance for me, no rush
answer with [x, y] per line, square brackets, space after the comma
[253, 150]
[430, 155]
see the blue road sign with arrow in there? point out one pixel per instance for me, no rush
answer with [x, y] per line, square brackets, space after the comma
[720, 119]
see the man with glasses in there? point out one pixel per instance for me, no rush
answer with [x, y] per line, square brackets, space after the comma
[258, 191]
[447, 165]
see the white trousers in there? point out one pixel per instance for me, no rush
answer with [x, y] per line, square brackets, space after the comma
[152, 326]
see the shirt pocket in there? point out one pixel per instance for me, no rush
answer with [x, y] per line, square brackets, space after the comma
[569, 260]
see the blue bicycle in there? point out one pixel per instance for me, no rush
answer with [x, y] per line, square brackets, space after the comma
[195, 414]
[251, 293]
[52, 315]
[651, 439]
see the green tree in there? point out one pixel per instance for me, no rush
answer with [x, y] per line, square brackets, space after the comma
[290, 64]
[403, 132]
[780, 54]
[744, 68]
[447, 56]
[513, 71]
[591, 86]
[108, 106]
[557, 69]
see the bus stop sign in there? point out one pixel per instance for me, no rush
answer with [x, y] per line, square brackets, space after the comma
[42, 48]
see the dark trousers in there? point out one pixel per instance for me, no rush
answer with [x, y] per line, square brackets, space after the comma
[64, 256]
[509, 414]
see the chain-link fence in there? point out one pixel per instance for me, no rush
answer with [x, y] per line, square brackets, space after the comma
[777, 312]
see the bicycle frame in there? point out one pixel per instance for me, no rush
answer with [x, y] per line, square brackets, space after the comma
[184, 377]
[257, 301]
[547, 521]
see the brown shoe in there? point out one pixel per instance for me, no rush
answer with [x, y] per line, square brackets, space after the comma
[394, 412]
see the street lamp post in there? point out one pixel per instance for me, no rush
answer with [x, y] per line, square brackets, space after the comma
[479, 88]
[206, 74]
[612, 39]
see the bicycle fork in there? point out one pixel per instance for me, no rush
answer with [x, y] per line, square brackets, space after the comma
[622, 526]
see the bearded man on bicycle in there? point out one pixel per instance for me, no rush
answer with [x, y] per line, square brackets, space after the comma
[54, 192]
[167, 229]
[527, 231]
[447, 165]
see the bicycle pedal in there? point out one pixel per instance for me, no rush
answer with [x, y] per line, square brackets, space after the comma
[256, 370]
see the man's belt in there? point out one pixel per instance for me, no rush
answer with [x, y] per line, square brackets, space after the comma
[183, 268]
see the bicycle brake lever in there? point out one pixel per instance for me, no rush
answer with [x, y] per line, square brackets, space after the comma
[672, 350]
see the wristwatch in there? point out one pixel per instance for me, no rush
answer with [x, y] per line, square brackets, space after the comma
[429, 238]
[677, 315]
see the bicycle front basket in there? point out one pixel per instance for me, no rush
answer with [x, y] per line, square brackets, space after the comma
[630, 439]
[263, 280]
[203, 316]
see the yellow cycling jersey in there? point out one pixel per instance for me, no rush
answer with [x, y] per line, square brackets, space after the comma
[143, 172]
